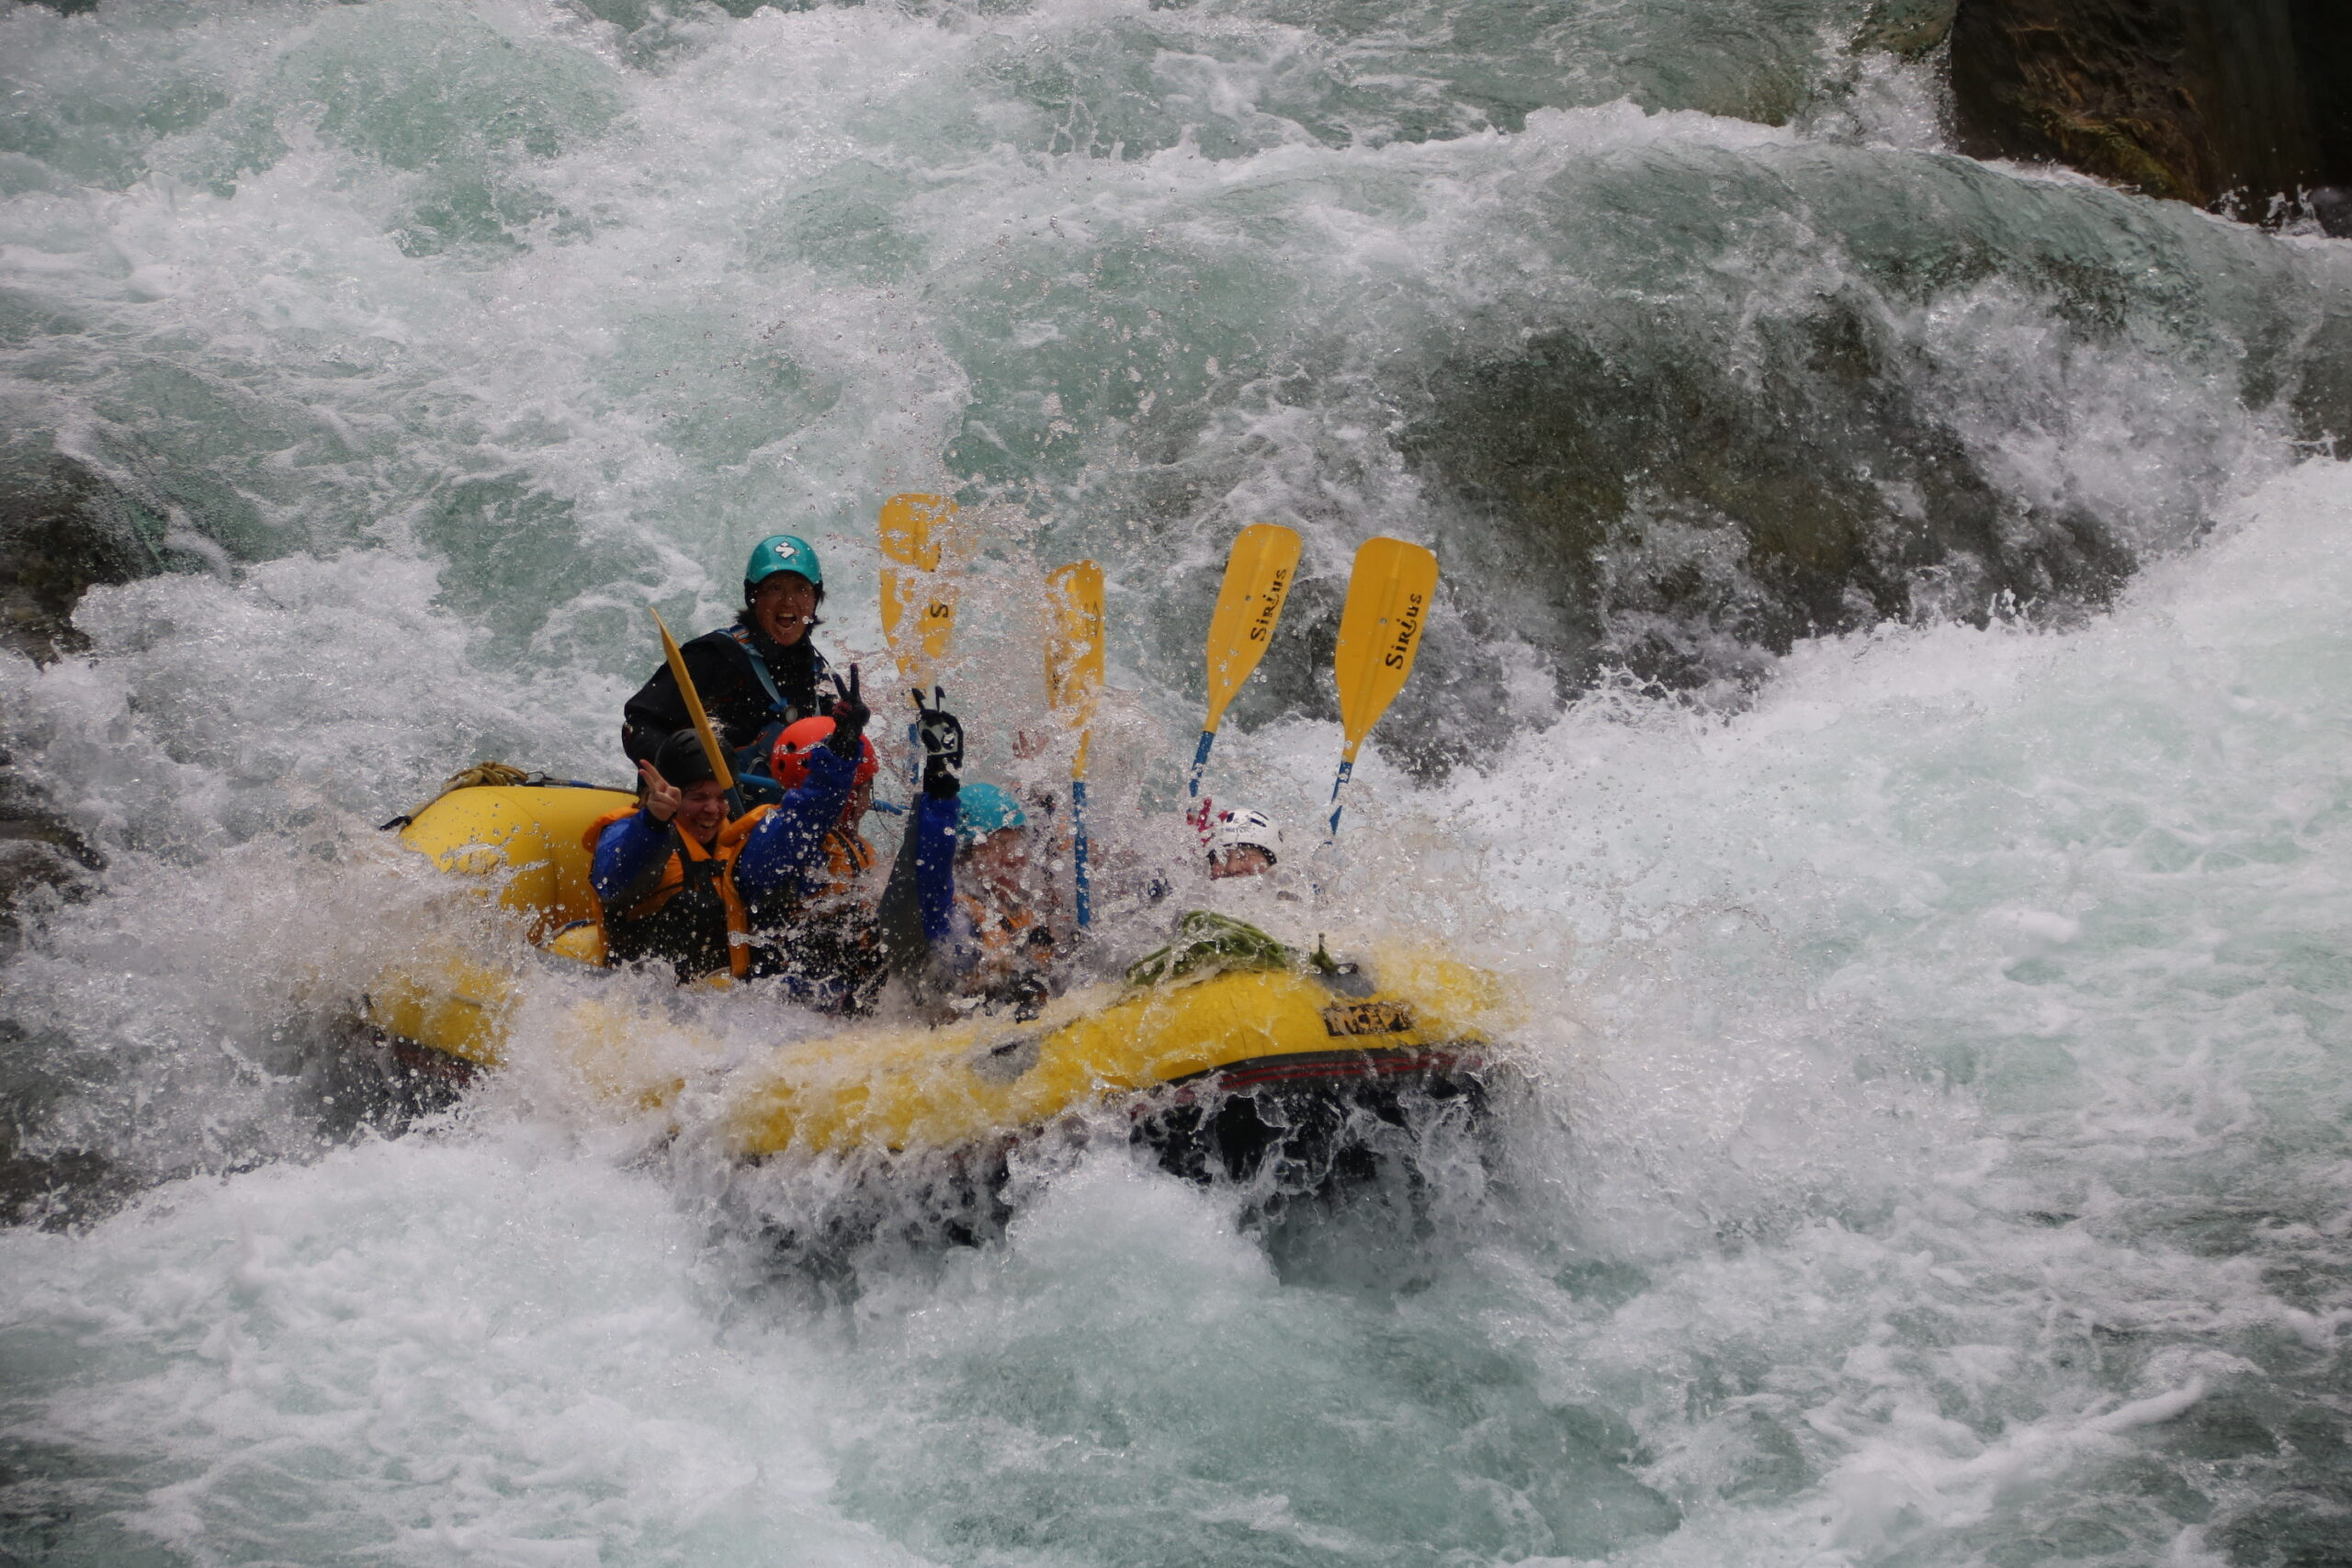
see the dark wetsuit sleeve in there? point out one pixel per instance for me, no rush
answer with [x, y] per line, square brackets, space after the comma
[934, 846]
[629, 857]
[793, 832]
[730, 694]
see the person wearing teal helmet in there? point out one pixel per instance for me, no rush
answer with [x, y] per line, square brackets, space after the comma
[783, 552]
[1004, 947]
[985, 810]
[754, 677]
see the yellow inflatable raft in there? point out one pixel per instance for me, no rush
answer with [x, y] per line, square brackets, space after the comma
[1215, 1066]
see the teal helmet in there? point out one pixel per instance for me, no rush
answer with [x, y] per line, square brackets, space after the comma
[982, 810]
[783, 552]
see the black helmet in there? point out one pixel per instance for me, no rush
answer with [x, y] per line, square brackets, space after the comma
[681, 759]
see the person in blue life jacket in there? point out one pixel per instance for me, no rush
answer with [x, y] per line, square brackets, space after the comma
[754, 677]
[830, 955]
[679, 883]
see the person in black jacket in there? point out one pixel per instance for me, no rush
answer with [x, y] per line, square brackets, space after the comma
[754, 677]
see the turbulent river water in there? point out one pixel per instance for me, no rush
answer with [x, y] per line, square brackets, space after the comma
[1885, 721]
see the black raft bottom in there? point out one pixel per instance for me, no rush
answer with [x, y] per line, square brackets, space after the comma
[1312, 1122]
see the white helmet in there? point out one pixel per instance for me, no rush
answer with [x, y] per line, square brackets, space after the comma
[1245, 828]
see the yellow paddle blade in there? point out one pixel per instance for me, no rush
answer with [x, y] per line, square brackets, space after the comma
[918, 620]
[715, 754]
[1074, 649]
[918, 607]
[1380, 630]
[906, 529]
[1258, 575]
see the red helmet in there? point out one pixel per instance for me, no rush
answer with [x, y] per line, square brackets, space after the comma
[785, 759]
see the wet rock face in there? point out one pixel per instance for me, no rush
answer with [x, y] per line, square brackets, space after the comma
[42, 859]
[56, 539]
[2231, 103]
[38, 849]
[1685, 525]
[1909, 28]
[62, 529]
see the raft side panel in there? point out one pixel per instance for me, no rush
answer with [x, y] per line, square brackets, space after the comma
[901, 1087]
[530, 833]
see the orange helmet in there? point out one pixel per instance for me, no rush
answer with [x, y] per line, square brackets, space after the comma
[788, 759]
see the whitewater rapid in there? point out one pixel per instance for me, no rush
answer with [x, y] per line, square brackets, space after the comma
[1884, 722]
[1951, 1156]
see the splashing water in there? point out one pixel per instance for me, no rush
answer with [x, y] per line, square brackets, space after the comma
[1881, 721]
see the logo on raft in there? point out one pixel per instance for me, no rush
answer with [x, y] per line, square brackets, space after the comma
[1367, 1018]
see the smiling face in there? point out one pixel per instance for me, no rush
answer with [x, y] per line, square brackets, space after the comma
[781, 606]
[702, 811]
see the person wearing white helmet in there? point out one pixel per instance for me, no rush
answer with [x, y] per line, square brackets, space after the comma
[1243, 843]
[1248, 908]
[1249, 878]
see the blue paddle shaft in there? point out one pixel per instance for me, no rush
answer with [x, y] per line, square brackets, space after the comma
[1200, 762]
[1078, 832]
[1346, 767]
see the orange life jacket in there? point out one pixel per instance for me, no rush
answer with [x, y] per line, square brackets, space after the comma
[848, 859]
[999, 921]
[694, 918]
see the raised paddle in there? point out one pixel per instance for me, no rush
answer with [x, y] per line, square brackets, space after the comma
[1258, 575]
[1073, 677]
[918, 606]
[712, 751]
[1380, 630]
[918, 618]
[906, 529]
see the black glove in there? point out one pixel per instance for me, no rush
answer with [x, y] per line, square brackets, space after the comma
[850, 714]
[941, 735]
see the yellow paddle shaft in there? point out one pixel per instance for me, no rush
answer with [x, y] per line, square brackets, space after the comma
[711, 750]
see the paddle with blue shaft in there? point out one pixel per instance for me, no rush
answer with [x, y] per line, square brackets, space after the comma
[1380, 630]
[1258, 575]
[711, 750]
[1073, 680]
[918, 599]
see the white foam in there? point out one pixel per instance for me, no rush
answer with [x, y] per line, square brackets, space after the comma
[1934, 1055]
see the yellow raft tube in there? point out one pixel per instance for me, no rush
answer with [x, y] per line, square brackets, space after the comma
[1405, 1021]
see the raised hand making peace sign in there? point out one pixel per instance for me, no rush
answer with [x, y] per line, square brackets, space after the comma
[662, 797]
[849, 714]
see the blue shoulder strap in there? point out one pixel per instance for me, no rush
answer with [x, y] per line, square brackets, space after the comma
[752, 759]
[743, 636]
[777, 705]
